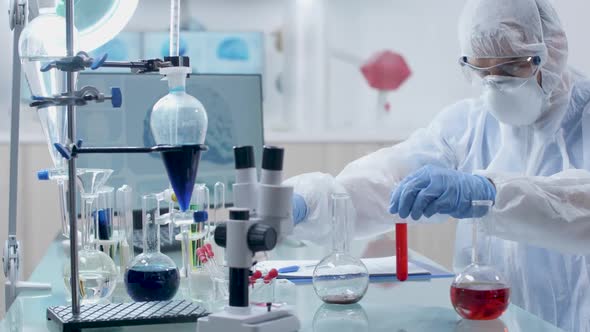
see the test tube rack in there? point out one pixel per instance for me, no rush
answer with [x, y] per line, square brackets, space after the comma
[125, 314]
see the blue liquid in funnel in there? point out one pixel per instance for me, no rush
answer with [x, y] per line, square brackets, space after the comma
[182, 167]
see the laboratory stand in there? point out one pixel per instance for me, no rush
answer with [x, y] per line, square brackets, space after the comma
[18, 12]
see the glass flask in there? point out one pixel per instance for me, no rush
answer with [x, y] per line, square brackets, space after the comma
[151, 276]
[340, 278]
[124, 226]
[480, 292]
[42, 41]
[97, 271]
[179, 119]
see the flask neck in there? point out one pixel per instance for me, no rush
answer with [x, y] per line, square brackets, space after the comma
[176, 81]
[340, 223]
[177, 90]
[151, 238]
[151, 227]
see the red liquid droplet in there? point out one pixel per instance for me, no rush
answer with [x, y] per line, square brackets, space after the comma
[479, 302]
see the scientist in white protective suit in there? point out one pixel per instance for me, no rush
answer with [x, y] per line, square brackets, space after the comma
[524, 143]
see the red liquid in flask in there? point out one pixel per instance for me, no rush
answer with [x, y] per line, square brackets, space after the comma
[480, 301]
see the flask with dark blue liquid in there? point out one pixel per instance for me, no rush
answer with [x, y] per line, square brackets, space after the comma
[151, 276]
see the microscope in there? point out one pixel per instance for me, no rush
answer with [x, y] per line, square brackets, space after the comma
[262, 216]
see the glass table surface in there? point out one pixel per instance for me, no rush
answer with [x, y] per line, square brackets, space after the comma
[420, 306]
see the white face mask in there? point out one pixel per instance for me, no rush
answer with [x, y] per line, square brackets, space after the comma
[512, 100]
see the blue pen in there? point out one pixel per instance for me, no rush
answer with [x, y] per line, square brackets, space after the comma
[289, 269]
[292, 268]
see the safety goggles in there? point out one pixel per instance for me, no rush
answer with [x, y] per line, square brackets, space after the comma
[524, 68]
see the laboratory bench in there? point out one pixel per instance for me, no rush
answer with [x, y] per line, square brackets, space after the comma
[411, 306]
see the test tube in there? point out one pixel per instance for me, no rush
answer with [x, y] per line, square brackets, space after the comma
[103, 221]
[401, 251]
[150, 213]
[198, 230]
[218, 203]
[104, 213]
[168, 195]
[124, 225]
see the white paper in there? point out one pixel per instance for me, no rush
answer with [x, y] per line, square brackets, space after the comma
[378, 267]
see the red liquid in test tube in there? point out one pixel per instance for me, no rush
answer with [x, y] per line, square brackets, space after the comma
[401, 251]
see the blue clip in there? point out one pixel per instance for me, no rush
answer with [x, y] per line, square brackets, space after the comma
[47, 67]
[99, 61]
[116, 97]
[63, 151]
[79, 143]
[43, 174]
[200, 216]
[39, 98]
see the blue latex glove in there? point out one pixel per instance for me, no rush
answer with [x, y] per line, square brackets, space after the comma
[432, 190]
[299, 209]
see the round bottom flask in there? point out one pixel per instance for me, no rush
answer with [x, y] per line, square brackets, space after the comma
[480, 292]
[151, 276]
[97, 275]
[97, 272]
[340, 278]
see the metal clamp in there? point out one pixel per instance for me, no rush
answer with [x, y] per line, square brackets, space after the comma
[76, 63]
[17, 13]
[80, 98]
[11, 257]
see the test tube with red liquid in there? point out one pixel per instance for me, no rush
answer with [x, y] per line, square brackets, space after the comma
[401, 251]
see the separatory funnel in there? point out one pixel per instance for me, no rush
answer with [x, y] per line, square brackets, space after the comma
[151, 276]
[480, 292]
[340, 278]
[97, 271]
[43, 41]
[179, 119]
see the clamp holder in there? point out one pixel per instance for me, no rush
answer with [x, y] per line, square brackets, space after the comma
[80, 98]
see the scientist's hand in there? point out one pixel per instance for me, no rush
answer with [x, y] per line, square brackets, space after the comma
[432, 190]
[299, 209]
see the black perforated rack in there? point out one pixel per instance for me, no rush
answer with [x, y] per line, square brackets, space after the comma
[125, 314]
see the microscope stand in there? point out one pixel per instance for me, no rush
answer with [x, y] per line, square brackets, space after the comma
[257, 320]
